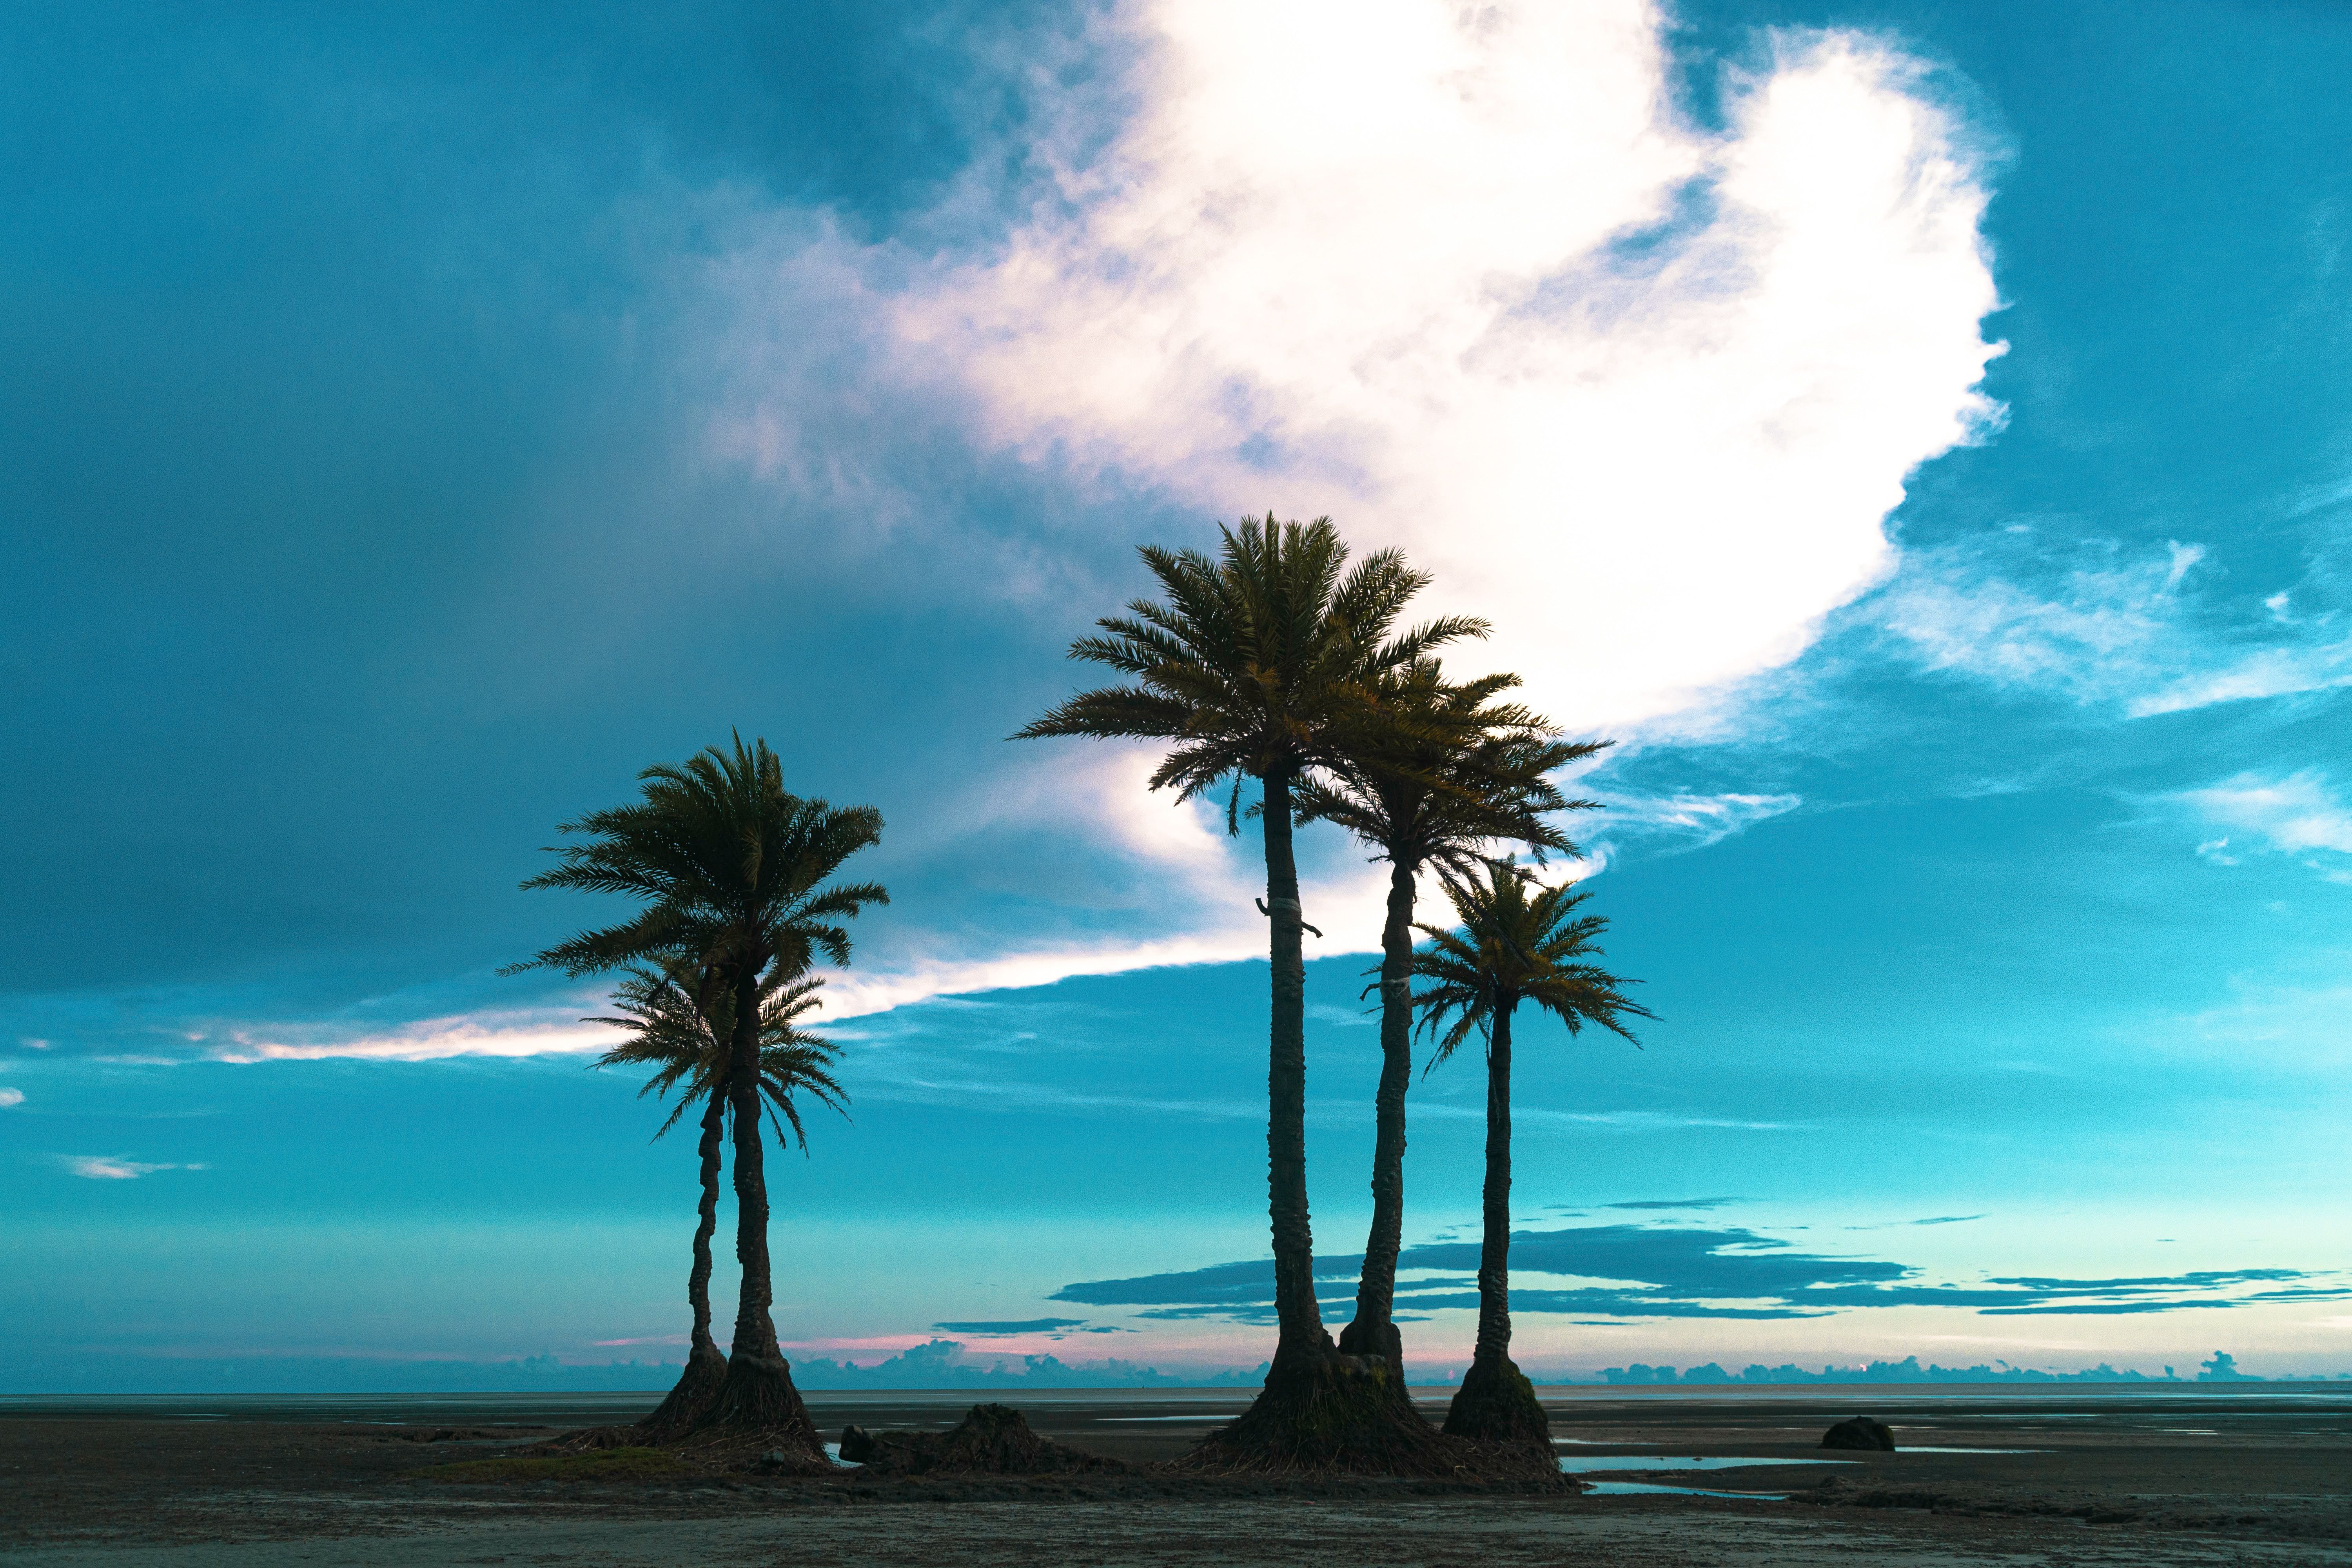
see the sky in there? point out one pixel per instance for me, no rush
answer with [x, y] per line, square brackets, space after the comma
[1919, 435]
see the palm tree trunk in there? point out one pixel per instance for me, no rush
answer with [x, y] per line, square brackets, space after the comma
[698, 1385]
[1374, 1331]
[1494, 1244]
[698, 1282]
[1319, 1410]
[759, 1391]
[1497, 1403]
[1302, 1332]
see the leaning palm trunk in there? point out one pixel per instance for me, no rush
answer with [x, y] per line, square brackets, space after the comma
[1373, 1332]
[758, 1391]
[705, 1370]
[1497, 1403]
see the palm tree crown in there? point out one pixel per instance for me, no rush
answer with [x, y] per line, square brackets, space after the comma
[1520, 942]
[728, 865]
[1262, 661]
[683, 1046]
[1461, 772]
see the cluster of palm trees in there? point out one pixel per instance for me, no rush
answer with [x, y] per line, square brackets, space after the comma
[1278, 661]
[1274, 661]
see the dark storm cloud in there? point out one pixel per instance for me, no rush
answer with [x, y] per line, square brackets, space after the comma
[1686, 1272]
[350, 546]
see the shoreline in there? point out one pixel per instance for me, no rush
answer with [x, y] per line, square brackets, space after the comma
[1991, 1475]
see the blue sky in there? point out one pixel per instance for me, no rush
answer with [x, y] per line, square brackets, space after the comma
[1920, 434]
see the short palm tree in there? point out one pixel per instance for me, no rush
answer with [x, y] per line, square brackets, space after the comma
[731, 869]
[1519, 941]
[1261, 664]
[690, 1050]
[1468, 775]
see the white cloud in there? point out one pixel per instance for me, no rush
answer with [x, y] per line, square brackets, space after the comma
[1469, 280]
[12, 1097]
[2298, 815]
[2100, 627]
[107, 1168]
[543, 1032]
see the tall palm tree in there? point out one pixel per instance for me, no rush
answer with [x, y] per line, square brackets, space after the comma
[1442, 793]
[1261, 664]
[690, 1045]
[731, 869]
[1519, 941]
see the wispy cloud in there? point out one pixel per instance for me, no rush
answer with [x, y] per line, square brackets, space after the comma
[1052, 1327]
[2093, 623]
[11, 1097]
[523, 1033]
[1617, 1120]
[2300, 814]
[110, 1168]
[644, 1340]
[1686, 1271]
[1673, 823]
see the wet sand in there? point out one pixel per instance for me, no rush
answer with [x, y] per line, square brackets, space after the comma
[2006, 1475]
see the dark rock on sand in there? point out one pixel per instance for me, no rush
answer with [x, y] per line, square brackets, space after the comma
[1860, 1431]
[994, 1440]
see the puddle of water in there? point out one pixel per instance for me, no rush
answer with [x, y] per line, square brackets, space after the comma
[1643, 1489]
[1577, 1464]
[832, 1452]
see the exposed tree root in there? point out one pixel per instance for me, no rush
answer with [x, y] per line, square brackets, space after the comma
[690, 1401]
[1496, 1403]
[1333, 1414]
[757, 1397]
[1364, 1340]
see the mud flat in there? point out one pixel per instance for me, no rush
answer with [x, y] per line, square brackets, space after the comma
[1984, 1475]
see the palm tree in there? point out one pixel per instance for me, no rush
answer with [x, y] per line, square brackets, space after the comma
[1520, 942]
[1439, 793]
[686, 1045]
[1263, 664]
[731, 869]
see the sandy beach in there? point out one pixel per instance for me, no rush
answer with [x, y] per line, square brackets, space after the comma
[1984, 1476]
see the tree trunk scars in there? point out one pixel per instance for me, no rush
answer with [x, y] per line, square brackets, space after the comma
[755, 1330]
[698, 1287]
[1495, 1252]
[1285, 1133]
[1376, 1288]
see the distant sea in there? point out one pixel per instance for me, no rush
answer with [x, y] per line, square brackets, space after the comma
[613, 1407]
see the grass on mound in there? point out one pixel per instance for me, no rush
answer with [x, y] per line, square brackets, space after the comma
[599, 1464]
